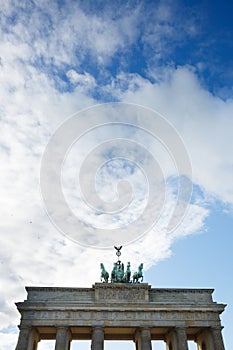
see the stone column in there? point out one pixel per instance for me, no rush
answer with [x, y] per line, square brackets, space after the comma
[181, 338]
[145, 339]
[137, 339]
[217, 338]
[62, 338]
[171, 340]
[205, 339]
[97, 338]
[34, 338]
[23, 338]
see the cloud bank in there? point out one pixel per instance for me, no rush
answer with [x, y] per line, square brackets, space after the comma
[57, 60]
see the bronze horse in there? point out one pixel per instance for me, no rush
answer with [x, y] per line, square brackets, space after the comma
[138, 274]
[104, 273]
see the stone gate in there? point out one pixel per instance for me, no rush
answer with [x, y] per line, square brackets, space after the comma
[120, 311]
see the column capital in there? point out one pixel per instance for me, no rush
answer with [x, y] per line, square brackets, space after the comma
[65, 329]
[181, 328]
[145, 328]
[97, 327]
[145, 333]
[218, 327]
[98, 330]
[24, 326]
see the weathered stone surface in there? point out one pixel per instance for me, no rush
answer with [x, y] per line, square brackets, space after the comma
[181, 295]
[97, 338]
[119, 292]
[62, 338]
[56, 294]
[122, 311]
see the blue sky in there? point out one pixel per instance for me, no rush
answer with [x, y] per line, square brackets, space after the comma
[58, 58]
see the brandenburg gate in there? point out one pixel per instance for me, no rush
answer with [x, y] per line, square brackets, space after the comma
[122, 309]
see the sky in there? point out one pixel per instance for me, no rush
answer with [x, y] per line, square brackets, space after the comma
[116, 125]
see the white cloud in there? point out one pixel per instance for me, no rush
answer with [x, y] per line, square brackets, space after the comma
[67, 34]
[35, 101]
[8, 341]
[203, 120]
[85, 80]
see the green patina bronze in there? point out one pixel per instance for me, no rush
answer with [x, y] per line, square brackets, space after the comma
[104, 274]
[138, 274]
[119, 274]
